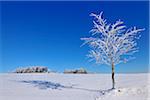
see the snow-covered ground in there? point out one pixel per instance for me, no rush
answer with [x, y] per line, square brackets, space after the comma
[74, 87]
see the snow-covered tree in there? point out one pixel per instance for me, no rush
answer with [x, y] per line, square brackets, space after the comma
[111, 44]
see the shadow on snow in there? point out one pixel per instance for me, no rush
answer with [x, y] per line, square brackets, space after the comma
[52, 85]
[45, 84]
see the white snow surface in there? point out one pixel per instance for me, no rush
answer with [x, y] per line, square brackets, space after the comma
[53, 86]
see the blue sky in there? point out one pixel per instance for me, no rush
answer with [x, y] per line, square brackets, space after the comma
[48, 34]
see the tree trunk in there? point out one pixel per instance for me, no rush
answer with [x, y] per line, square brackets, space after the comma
[113, 79]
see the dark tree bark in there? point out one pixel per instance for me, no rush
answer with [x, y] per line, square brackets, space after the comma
[113, 79]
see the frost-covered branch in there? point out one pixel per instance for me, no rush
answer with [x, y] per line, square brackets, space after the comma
[111, 43]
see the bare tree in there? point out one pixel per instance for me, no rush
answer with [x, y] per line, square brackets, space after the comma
[111, 44]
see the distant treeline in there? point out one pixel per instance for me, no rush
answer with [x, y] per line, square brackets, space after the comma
[76, 71]
[32, 69]
[43, 69]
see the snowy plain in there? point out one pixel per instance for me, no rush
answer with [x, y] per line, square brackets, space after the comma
[52, 86]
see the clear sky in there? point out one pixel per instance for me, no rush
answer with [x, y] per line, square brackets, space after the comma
[48, 34]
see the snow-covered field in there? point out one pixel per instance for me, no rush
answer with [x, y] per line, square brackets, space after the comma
[73, 87]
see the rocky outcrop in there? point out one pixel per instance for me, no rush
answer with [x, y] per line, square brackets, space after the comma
[76, 71]
[32, 69]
